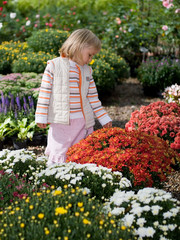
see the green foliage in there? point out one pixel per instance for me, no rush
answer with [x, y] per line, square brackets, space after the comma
[23, 129]
[47, 40]
[31, 62]
[4, 128]
[159, 74]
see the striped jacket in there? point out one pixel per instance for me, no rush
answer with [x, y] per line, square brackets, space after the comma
[68, 91]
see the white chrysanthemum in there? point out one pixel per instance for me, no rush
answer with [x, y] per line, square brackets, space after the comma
[67, 176]
[137, 211]
[124, 182]
[175, 211]
[172, 226]
[155, 209]
[128, 220]
[145, 232]
[164, 228]
[167, 214]
[73, 181]
[156, 223]
[146, 208]
[141, 221]
[117, 211]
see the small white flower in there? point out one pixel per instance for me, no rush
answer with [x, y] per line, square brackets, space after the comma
[128, 219]
[28, 23]
[155, 209]
[9, 170]
[73, 181]
[137, 211]
[167, 214]
[141, 222]
[117, 211]
[12, 15]
[103, 185]
[145, 232]
[172, 226]
[156, 223]
[164, 228]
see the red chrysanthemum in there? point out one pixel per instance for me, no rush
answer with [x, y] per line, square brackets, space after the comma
[160, 119]
[145, 157]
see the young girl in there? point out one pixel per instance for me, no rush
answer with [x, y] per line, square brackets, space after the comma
[68, 97]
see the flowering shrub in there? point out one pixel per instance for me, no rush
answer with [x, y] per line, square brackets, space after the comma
[47, 40]
[159, 73]
[31, 62]
[143, 158]
[172, 94]
[160, 119]
[9, 51]
[103, 75]
[152, 213]
[65, 213]
[117, 63]
[98, 181]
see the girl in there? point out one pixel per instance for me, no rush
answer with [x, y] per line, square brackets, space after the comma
[68, 98]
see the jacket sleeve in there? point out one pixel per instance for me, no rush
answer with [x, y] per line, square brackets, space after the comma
[41, 114]
[95, 103]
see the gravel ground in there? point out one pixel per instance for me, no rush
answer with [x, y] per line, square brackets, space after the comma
[126, 98]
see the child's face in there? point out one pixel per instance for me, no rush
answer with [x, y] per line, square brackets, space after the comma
[87, 55]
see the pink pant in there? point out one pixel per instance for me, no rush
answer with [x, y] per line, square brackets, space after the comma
[61, 137]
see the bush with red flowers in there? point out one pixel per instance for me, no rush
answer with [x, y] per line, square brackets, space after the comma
[142, 158]
[160, 119]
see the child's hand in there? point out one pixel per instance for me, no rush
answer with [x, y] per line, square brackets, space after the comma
[42, 125]
[108, 125]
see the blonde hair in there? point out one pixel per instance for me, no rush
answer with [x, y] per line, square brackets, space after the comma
[77, 41]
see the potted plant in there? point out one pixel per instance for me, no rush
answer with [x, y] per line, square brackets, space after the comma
[23, 130]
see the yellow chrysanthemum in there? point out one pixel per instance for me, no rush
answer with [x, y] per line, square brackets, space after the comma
[41, 215]
[22, 225]
[80, 204]
[60, 210]
[85, 221]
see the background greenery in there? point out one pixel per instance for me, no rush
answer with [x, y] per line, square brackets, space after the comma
[139, 28]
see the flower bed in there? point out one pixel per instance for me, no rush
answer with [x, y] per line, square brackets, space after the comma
[160, 119]
[140, 157]
[70, 210]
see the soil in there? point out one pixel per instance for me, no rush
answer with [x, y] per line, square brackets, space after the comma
[126, 98]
